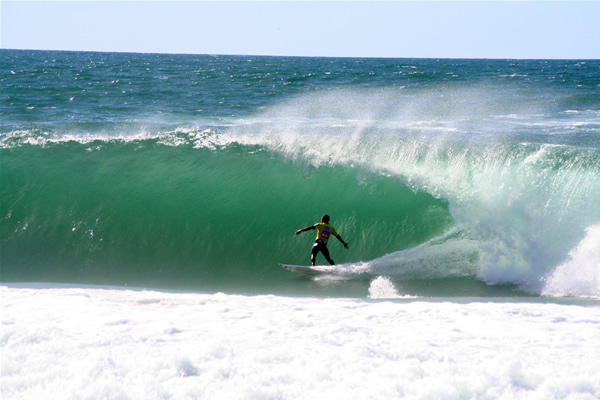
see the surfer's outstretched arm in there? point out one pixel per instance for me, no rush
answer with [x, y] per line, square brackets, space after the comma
[342, 240]
[308, 228]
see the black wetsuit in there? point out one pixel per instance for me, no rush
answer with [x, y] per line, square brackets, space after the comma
[320, 245]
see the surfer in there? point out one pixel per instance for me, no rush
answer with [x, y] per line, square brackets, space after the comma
[324, 231]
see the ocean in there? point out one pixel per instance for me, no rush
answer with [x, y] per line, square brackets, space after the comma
[147, 200]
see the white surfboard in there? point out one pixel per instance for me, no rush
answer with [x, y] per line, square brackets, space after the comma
[309, 270]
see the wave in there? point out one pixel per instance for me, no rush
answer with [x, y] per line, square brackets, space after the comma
[457, 195]
[146, 213]
[523, 204]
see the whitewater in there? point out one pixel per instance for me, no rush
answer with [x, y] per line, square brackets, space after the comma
[148, 199]
[84, 343]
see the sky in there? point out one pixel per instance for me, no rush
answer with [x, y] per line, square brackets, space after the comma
[420, 29]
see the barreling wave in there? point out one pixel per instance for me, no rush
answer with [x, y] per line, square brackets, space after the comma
[170, 211]
[522, 204]
[417, 198]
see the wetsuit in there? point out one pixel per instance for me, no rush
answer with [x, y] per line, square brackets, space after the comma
[324, 232]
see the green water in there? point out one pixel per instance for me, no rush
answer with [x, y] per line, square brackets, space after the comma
[147, 214]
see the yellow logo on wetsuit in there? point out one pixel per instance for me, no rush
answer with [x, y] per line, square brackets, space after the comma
[324, 231]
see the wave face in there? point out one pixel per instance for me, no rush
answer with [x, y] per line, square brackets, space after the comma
[193, 172]
[144, 212]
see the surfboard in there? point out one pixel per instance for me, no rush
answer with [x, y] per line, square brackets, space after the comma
[309, 270]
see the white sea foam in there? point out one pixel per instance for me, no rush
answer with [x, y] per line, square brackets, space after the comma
[94, 343]
[199, 137]
[580, 274]
[383, 288]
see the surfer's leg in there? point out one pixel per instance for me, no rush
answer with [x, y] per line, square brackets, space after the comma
[325, 252]
[313, 253]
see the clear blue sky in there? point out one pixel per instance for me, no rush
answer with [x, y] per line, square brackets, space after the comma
[439, 29]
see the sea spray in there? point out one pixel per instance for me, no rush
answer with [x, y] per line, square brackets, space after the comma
[517, 201]
[383, 288]
[579, 275]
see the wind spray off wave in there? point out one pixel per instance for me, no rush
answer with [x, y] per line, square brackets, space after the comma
[521, 206]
